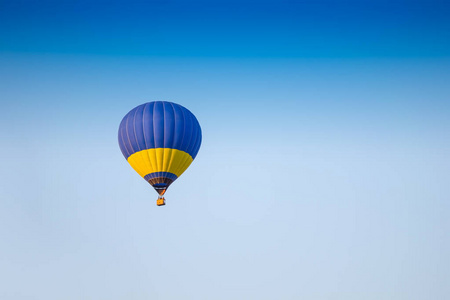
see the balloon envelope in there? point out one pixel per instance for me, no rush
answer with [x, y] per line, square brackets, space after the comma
[160, 140]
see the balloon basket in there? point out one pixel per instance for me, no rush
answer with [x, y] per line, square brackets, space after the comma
[161, 201]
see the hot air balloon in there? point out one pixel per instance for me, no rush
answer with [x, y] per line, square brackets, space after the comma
[160, 140]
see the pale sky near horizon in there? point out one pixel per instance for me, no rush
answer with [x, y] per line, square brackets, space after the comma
[323, 172]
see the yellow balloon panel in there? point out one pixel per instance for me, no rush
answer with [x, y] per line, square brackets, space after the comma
[160, 160]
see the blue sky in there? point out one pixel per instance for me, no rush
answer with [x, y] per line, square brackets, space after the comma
[323, 172]
[228, 28]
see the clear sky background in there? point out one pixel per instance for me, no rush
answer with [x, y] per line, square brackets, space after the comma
[323, 174]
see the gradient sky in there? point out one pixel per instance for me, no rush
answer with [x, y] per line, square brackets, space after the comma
[323, 174]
